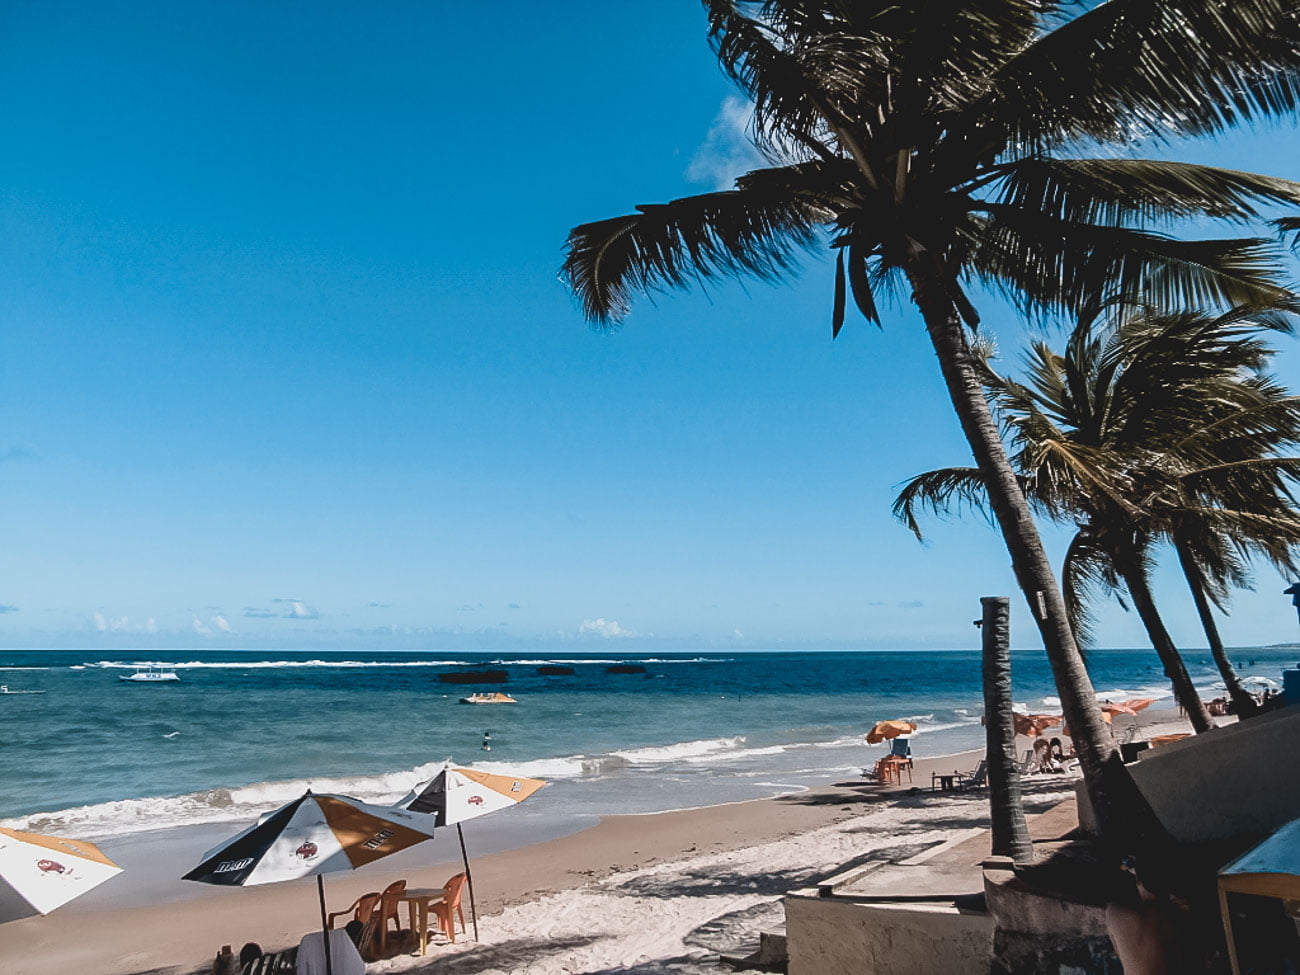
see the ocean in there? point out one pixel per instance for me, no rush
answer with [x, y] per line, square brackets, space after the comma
[244, 731]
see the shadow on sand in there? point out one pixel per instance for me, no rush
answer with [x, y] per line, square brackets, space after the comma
[514, 955]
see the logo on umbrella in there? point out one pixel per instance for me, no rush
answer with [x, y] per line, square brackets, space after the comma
[376, 841]
[307, 851]
[50, 866]
[475, 800]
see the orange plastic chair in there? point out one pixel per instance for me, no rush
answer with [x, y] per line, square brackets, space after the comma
[387, 911]
[360, 910]
[450, 902]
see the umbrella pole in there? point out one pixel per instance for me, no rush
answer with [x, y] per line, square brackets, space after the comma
[324, 926]
[469, 880]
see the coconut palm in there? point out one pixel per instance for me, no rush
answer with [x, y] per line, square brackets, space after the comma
[1159, 426]
[941, 145]
[1252, 514]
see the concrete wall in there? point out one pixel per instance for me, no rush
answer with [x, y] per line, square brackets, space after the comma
[838, 936]
[1235, 781]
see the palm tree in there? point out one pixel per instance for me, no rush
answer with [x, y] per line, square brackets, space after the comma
[1158, 427]
[939, 144]
[1252, 515]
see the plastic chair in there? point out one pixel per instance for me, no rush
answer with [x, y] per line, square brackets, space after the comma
[450, 902]
[360, 910]
[387, 911]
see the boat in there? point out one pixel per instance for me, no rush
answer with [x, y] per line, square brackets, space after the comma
[150, 674]
[4, 689]
[554, 670]
[495, 697]
[474, 677]
[625, 669]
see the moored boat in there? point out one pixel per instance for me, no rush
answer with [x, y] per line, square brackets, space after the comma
[495, 697]
[150, 674]
[554, 670]
[625, 669]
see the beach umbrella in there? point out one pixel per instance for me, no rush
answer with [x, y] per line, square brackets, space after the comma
[885, 730]
[1033, 725]
[457, 794]
[312, 835]
[1261, 683]
[39, 873]
[1109, 709]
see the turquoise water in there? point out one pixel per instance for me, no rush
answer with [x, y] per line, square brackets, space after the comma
[243, 732]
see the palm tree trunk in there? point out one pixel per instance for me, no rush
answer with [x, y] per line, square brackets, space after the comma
[1243, 702]
[1109, 785]
[1006, 813]
[1135, 579]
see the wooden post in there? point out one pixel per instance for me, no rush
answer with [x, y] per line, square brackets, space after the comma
[1010, 832]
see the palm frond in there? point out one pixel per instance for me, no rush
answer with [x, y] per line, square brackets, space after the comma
[940, 492]
[1125, 69]
[799, 83]
[1086, 573]
[1049, 266]
[1117, 191]
[757, 229]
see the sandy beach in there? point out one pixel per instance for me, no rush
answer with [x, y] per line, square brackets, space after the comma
[644, 893]
[630, 891]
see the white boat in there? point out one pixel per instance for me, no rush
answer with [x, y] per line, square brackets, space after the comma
[4, 689]
[496, 697]
[150, 674]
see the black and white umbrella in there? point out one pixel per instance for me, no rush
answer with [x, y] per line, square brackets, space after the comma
[312, 835]
[457, 794]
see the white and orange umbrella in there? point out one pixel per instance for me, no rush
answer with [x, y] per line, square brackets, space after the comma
[39, 873]
[313, 834]
[1109, 709]
[457, 794]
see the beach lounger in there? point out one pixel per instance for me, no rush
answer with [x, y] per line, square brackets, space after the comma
[977, 779]
[275, 963]
[1028, 764]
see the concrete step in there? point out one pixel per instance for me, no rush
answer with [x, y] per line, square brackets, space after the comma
[771, 955]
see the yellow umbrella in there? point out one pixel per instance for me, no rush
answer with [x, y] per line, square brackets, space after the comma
[884, 730]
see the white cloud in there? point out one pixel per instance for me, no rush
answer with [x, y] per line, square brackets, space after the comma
[200, 627]
[150, 626]
[111, 624]
[604, 628]
[727, 151]
[295, 609]
[219, 622]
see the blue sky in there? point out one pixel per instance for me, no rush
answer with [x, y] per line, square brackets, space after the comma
[285, 361]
